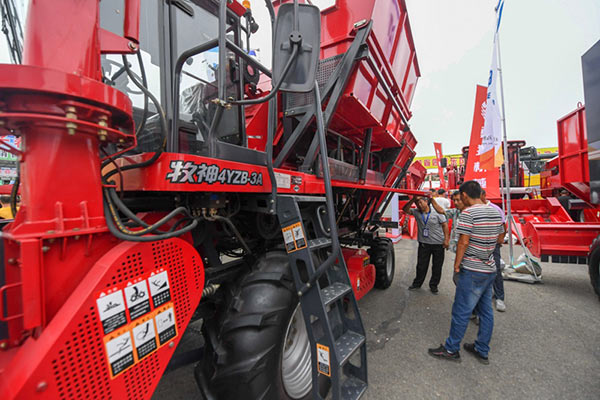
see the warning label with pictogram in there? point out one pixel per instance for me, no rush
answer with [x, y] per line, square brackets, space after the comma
[299, 236]
[323, 362]
[288, 238]
[111, 310]
[165, 324]
[159, 287]
[144, 337]
[137, 298]
[119, 350]
[294, 238]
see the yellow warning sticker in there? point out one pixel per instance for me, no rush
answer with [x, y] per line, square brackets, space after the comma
[294, 238]
[323, 363]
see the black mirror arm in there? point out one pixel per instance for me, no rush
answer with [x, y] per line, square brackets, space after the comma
[275, 89]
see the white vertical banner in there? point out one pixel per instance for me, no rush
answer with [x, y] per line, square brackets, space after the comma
[491, 135]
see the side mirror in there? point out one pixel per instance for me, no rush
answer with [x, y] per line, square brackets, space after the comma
[444, 162]
[302, 74]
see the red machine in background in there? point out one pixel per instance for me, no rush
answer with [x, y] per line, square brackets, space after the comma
[175, 185]
[576, 169]
[568, 235]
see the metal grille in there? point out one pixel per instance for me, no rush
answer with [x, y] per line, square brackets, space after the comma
[80, 367]
[140, 378]
[325, 69]
[166, 254]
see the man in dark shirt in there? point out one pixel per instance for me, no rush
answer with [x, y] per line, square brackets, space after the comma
[480, 227]
[433, 238]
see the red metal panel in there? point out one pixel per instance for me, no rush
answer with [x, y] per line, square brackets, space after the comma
[69, 358]
[566, 238]
[360, 271]
[573, 154]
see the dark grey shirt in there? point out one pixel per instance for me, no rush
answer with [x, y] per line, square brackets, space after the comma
[434, 225]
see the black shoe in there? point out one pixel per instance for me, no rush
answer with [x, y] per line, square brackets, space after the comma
[442, 353]
[470, 347]
[413, 287]
[434, 290]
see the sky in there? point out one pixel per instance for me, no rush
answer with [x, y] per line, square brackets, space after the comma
[542, 42]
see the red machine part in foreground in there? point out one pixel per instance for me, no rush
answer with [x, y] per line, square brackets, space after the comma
[95, 299]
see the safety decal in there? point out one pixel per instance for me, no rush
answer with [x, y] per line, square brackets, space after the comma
[119, 350]
[144, 336]
[165, 324]
[294, 238]
[323, 362]
[137, 317]
[159, 287]
[299, 235]
[137, 299]
[190, 172]
[288, 238]
[111, 310]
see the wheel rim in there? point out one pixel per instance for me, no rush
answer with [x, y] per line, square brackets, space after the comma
[296, 359]
[389, 263]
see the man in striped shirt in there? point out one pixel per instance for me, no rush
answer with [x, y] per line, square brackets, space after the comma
[479, 228]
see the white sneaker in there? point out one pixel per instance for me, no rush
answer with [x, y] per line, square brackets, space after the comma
[500, 306]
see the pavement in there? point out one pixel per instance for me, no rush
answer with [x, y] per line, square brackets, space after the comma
[545, 346]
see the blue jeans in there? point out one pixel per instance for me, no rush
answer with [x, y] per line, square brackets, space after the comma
[499, 281]
[474, 289]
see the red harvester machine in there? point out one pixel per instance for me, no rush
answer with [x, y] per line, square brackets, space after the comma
[164, 181]
[553, 234]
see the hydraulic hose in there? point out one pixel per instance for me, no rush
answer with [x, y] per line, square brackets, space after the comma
[110, 223]
[148, 228]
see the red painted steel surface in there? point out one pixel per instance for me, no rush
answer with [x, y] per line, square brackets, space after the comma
[360, 271]
[569, 170]
[564, 238]
[69, 360]
[416, 176]
[573, 166]
[159, 177]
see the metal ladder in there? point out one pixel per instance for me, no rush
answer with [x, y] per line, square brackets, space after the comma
[329, 307]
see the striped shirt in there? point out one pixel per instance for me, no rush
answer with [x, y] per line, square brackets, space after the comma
[453, 214]
[483, 225]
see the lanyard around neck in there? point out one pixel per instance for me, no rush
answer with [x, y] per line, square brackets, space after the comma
[425, 220]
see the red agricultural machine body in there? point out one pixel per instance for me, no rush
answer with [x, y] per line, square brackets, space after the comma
[570, 170]
[558, 238]
[576, 168]
[174, 188]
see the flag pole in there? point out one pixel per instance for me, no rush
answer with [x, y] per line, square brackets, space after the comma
[506, 166]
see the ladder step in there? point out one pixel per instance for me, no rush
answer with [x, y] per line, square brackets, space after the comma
[347, 344]
[353, 389]
[319, 243]
[334, 292]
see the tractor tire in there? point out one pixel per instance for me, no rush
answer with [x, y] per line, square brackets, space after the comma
[594, 265]
[383, 257]
[262, 350]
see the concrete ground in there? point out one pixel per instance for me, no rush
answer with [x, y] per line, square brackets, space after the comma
[545, 346]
